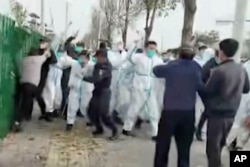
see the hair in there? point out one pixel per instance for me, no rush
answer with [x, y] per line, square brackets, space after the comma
[229, 47]
[139, 50]
[203, 47]
[150, 43]
[186, 52]
[33, 51]
[69, 40]
[102, 45]
[102, 53]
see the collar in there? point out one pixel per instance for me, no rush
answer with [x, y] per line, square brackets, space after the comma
[227, 61]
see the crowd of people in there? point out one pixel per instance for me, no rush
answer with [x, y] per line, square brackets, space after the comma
[119, 87]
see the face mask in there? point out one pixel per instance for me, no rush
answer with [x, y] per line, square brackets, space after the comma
[78, 49]
[79, 60]
[94, 59]
[217, 60]
[59, 54]
[151, 53]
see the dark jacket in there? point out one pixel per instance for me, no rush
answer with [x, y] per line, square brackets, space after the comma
[183, 80]
[101, 77]
[205, 73]
[224, 88]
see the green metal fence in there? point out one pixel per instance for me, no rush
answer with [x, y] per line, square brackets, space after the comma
[15, 43]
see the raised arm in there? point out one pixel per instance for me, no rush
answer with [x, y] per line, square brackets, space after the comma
[98, 75]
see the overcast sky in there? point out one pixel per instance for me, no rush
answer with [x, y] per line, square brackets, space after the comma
[167, 31]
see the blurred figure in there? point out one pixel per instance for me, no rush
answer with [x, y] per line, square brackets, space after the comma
[98, 110]
[224, 88]
[183, 81]
[80, 91]
[206, 69]
[144, 91]
[30, 72]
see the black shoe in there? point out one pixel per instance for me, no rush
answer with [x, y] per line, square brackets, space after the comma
[138, 123]
[199, 136]
[114, 136]
[97, 133]
[55, 114]
[128, 133]
[79, 114]
[46, 117]
[69, 127]
[16, 127]
[89, 124]
[154, 138]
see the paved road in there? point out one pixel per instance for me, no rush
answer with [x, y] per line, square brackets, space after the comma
[48, 145]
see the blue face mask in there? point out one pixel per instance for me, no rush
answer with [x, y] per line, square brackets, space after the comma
[217, 60]
[94, 59]
[79, 60]
[59, 54]
[151, 53]
[78, 49]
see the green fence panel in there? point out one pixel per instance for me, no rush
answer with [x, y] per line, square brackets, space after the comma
[15, 43]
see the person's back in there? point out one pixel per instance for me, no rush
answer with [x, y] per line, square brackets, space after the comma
[30, 69]
[230, 86]
[182, 81]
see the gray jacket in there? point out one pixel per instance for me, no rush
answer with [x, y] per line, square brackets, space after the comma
[225, 87]
[30, 69]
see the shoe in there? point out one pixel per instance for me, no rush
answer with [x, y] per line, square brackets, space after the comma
[69, 127]
[55, 114]
[154, 138]
[89, 124]
[138, 123]
[79, 114]
[16, 127]
[114, 136]
[46, 118]
[128, 133]
[199, 136]
[97, 133]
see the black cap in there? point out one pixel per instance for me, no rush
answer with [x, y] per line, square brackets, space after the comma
[102, 52]
[229, 46]
[41, 40]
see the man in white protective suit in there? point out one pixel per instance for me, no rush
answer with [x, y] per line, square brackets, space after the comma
[52, 92]
[80, 91]
[117, 58]
[144, 95]
[240, 132]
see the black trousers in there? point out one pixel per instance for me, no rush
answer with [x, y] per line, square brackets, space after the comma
[98, 110]
[181, 125]
[218, 129]
[29, 92]
[202, 121]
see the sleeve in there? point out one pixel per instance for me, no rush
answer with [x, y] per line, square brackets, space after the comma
[117, 59]
[67, 61]
[246, 84]
[98, 75]
[213, 82]
[161, 71]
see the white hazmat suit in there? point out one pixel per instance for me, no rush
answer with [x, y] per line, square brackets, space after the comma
[80, 91]
[144, 93]
[52, 92]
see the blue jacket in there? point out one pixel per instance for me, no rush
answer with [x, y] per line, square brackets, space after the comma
[183, 81]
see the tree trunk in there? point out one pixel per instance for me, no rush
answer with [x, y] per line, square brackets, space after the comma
[189, 14]
[125, 30]
[149, 26]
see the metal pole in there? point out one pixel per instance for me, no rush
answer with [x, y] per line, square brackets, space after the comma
[66, 19]
[239, 24]
[42, 18]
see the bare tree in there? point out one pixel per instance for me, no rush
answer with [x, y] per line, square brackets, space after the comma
[152, 8]
[189, 14]
[19, 12]
[208, 37]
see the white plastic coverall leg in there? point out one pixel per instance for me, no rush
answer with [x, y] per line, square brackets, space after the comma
[238, 130]
[52, 92]
[143, 93]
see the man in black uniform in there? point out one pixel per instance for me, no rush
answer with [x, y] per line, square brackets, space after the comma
[99, 104]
